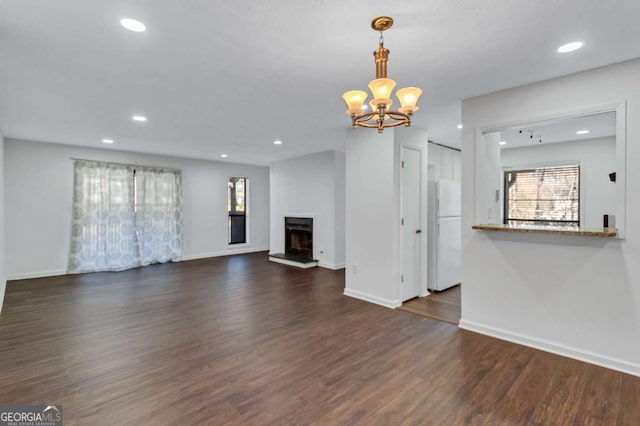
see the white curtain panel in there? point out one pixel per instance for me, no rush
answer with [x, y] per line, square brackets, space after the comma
[103, 235]
[159, 215]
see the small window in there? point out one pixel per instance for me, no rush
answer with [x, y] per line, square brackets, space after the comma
[548, 196]
[237, 203]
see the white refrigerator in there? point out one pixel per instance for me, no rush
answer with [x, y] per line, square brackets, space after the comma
[444, 234]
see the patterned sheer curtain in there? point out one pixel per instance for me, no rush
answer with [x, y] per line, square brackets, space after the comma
[158, 214]
[103, 235]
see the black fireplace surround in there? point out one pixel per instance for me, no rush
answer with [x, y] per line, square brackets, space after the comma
[298, 238]
[298, 242]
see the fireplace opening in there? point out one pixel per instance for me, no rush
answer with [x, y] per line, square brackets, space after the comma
[298, 237]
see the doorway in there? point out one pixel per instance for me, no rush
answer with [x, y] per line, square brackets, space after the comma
[440, 305]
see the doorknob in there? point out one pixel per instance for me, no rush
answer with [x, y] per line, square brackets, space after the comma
[418, 231]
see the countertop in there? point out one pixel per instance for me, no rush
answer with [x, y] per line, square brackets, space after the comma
[589, 232]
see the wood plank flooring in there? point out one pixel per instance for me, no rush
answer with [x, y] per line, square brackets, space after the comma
[241, 340]
[440, 305]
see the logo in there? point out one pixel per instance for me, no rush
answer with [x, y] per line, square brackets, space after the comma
[31, 415]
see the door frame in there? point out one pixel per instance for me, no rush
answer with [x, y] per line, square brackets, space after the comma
[422, 147]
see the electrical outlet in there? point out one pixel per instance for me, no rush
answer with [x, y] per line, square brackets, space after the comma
[354, 268]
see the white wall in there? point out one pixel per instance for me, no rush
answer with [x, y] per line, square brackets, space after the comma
[309, 185]
[491, 183]
[373, 212]
[597, 158]
[578, 296]
[3, 282]
[39, 183]
[340, 208]
[447, 162]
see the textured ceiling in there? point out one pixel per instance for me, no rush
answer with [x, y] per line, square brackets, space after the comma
[230, 77]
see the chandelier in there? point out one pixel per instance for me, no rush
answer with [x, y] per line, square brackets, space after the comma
[381, 115]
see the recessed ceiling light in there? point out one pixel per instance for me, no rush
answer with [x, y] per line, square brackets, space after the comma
[582, 132]
[107, 140]
[223, 155]
[459, 126]
[140, 118]
[503, 143]
[278, 142]
[570, 47]
[133, 25]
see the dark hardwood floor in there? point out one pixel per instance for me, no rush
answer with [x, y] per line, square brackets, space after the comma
[240, 340]
[439, 305]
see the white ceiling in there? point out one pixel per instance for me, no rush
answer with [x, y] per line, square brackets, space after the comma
[230, 77]
[598, 125]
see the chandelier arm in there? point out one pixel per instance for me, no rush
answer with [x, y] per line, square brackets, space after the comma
[365, 117]
[370, 125]
[396, 123]
[398, 115]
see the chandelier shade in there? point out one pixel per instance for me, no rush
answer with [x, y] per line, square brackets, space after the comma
[381, 116]
[376, 102]
[408, 97]
[354, 100]
[381, 89]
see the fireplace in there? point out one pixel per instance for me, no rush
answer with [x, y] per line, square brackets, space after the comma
[298, 243]
[298, 237]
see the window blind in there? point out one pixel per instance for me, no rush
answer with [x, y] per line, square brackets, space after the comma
[543, 196]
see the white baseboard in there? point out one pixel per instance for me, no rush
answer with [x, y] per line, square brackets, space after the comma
[556, 348]
[425, 294]
[372, 299]
[229, 252]
[39, 274]
[3, 287]
[293, 263]
[331, 266]
[57, 272]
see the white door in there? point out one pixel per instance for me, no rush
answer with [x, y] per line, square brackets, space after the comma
[411, 226]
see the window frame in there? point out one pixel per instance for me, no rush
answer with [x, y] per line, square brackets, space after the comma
[246, 241]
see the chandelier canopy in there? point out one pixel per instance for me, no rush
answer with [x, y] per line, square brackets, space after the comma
[381, 88]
